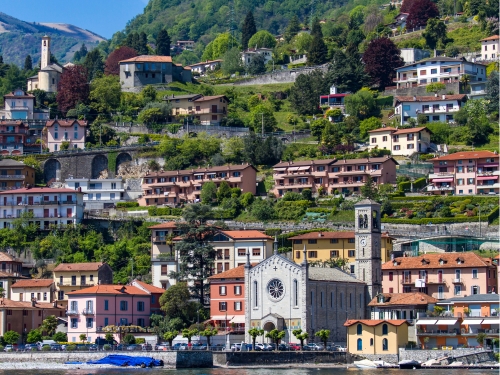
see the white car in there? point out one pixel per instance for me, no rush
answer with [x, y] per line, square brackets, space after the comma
[8, 348]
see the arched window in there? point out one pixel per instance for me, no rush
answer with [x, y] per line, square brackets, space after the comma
[360, 221]
[375, 219]
[359, 329]
[366, 221]
[295, 292]
[371, 342]
[256, 294]
[385, 344]
[385, 329]
[360, 345]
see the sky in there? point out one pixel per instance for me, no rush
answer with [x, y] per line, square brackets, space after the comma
[103, 17]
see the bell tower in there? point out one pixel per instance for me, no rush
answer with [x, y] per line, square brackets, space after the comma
[368, 246]
[45, 58]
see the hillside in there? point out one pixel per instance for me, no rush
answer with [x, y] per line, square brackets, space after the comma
[19, 39]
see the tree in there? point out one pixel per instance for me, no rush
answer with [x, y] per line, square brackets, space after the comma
[262, 39]
[189, 333]
[83, 337]
[60, 337]
[480, 338]
[362, 104]
[49, 325]
[128, 339]
[306, 90]
[300, 336]
[317, 127]
[197, 214]
[154, 112]
[256, 65]
[109, 337]
[381, 59]
[254, 333]
[223, 192]
[72, 88]
[435, 87]
[262, 151]
[174, 301]
[34, 336]
[163, 43]
[94, 64]
[365, 126]
[112, 65]
[11, 337]
[369, 189]
[143, 44]
[420, 12]
[292, 29]
[208, 192]
[105, 93]
[170, 336]
[492, 92]
[275, 335]
[435, 32]
[302, 42]
[231, 62]
[28, 63]
[81, 53]
[323, 335]
[346, 72]
[260, 115]
[208, 332]
[218, 47]
[317, 53]
[148, 94]
[248, 29]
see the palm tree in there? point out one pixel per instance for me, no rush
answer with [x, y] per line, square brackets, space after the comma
[464, 81]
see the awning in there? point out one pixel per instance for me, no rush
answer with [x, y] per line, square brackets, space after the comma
[293, 169]
[488, 165]
[442, 180]
[280, 169]
[471, 321]
[304, 168]
[199, 174]
[425, 322]
[220, 317]
[238, 319]
[491, 321]
[446, 322]
[487, 178]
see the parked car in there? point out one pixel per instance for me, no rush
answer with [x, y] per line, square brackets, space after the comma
[93, 347]
[294, 346]
[30, 347]
[259, 347]
[269, 347]
[121, 347]
[199, 346]
[236, 347]
[145, 347]
[8, 348]
[56, 347]
[134, 347]
[313, 346]
[283, 347]
[162, 347]
[336, 348]
[180, 346]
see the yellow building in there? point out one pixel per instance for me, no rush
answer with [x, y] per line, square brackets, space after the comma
[376, 336]
[323, 246]
[70, 277]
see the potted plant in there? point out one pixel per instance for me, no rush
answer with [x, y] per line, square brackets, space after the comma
[466, 311]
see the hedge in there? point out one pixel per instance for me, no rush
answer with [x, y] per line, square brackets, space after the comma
[384, 101]
[319, 210]
[447, 198]
[434, 220]
[127, 204]
[302, 203]
[404, 186]
[164, 211]
[419, 183]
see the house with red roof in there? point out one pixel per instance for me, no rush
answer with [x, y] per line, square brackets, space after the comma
[207, 110]
[65, 134]
[401, 142]
[465, 173]
[153, 291]
[41, 290]
[490, 48]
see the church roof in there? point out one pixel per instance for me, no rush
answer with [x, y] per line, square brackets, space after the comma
[331, 274]
[53, 66]
[373, 323]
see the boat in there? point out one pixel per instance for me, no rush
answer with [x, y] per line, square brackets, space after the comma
[410, 364]
[365, 364]
[127, 360]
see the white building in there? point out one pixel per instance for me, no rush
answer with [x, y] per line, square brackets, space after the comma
[99, 193]
[204, 66]
[440, 108]
[29, 289]
[411, 55]
[247, 55]
[490, 47]
[49, 207]
[19, 105]
[401, 142]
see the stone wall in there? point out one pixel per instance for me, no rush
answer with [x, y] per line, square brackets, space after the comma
[275, 358]
[420, 90]
[389, 358]
[285, 76]
[425, 355]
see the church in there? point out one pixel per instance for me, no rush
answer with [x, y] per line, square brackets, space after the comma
[282, 294]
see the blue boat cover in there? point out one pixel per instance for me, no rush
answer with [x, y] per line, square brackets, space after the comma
[127, 360]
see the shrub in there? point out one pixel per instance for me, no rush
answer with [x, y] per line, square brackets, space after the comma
[46, 348]
[127, 204]
[129, 339]
[140, 340]
[419, 183]
[404, 186]
[1, 348]
[159, 211]
[176, 211]
[106, 347]
[71, 348]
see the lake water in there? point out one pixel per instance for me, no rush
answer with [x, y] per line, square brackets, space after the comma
[272, 371]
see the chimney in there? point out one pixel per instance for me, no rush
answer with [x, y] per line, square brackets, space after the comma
[54, 303]
[414, 98]
[443, 97]
[320, 234]
[33, 302]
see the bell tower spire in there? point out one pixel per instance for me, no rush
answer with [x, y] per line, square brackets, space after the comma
[45, 57]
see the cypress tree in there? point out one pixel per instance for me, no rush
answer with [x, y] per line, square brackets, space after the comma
[163, 43]
[94, 64]
[28, 63]
[292, 29]
[143, 43]
[317, 53]
[247, 30]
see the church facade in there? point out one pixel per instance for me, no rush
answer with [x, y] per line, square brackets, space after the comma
[282, 294]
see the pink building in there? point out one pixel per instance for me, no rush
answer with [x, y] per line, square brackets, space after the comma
[465, 173]
[92, 309]
[61, 132]
[441, 276]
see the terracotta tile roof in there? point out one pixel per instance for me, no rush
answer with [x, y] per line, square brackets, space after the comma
[111, 289]
[8, 303]
[94, 266]
[149, 58]
[15, 275]
[233, 273]
[167, 225]
[25, 95]
[187, 172]
[239, 234]
[468, 155]
[148, 287]
[40, 190]
[409, 299]
[381, 159]
[328, 235]
[33, 283]
[13, 122]
[205, 62]
[207, 98]
[439, 98]
[65, 123]
[431, 261]
[387, 128]
[493, 37]
[4, 257]
[373, 323]
[303, 163]
[411, 130]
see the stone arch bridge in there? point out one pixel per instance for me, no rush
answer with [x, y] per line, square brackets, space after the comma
[86, 164]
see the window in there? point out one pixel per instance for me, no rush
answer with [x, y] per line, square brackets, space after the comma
[123, 305]
[312, 242]
[410, 146]
[297, 254]
[374, 140]
[222, 290]
[371, 342]
[242, 252]
[60, 295]
[222, 306]
[391, 276]
[474, 274]
[237, 306]
[334, 240]
[164, 269]
[384, 138]
[237, 290]
[434, 71]
[385, 344]
[351, 240]
[397, 148]
[73, 280]
[359, 329]
[352, 269]
[359, 345]
[385, 329]
[106, 305]
[45, 296]
[74, 323]
[256, 252]
[256, 294]
[334, 253]
[90, 322]
[140, 322]
[312, 254]
[140, 306]
[295, 293]
[351, 253]
[458, 290]
[475, 289]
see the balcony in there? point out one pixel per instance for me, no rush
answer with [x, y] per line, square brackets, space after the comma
[438, 332]
[163, 258]
[67, 284]
[12, 177]
[440, 188]
[406, 281]
[439, 295]
[159, 239]
[88, 312]
[458, 281]
[72, 312]
[488, 173]
[441, 175]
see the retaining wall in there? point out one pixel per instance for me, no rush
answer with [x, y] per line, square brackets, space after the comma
[389, 358]
[420, 90]
[472, 354]
[276, 358]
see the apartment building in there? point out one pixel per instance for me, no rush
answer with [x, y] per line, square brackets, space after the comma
[62, 133]
[207, 110]
[164, 258]
[15, 138]
[465, 173]
[92, 309]
[99, 193]
[227, 299]
[490, 47]
[11, 270]
[401, 142]
[434, 108]
[69, 277]
[232, 247]
[323, 246]
[438, 69]
[48, 207]
[441, 276]
[346, 176]
[400, 305]
[175, 187]
[154, 292]
[38, 289]
[19, 105]
[15, 175]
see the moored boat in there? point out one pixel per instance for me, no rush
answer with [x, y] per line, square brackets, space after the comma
[365, 364]
[410, 364]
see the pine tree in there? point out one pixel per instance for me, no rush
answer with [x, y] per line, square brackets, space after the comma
[247, 30]
[28, 63]
[143, 44]
[292, 29]
[317, 53]
[94, 64]
[163, 43]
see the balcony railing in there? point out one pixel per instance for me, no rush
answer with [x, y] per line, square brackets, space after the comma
[458, 281]
[88, 312]
[12, 177]
[163, 258]
[406, 281]
[72, 312]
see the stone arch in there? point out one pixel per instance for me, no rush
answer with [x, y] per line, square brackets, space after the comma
[99, 164]
[269, 326]
[51, 170]
[16, 152]
[123, 157]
